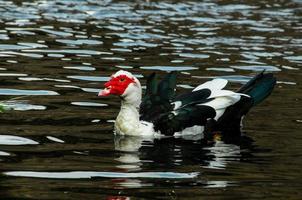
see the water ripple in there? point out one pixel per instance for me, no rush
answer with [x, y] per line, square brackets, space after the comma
[90, 78]
[3, 153]
[12, 53]
[258, 68]
[22, 105]
[80, 42]
[169, 68]
[4, 91]
[93, 174]
[13, 47]
[68, 51]
[82, 68]
[192, 55]
[54, 139]
[15, 140]
[89, 104]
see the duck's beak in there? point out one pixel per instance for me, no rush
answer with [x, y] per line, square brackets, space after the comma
[105, 92]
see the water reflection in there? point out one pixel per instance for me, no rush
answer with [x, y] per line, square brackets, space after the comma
[20, 105]
[14, 92]
[135, 152]
[82, 68]
[169, 68]
[90, 78]
[80, 42]
[54, 139]
[222, 154]
[16, 140]
[92, 104]
[129, 147]
[88, 175]
[135, 155]
[258, 68]
[3, 153]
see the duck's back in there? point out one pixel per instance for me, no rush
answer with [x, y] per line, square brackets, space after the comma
[170, 114]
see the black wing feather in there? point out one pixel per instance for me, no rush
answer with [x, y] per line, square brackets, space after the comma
[158, 97]
[171, 122]
[157, 106]
[195, 97]
[151, 85]
[166, 87]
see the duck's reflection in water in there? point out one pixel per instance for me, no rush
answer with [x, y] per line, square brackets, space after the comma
[136, 153]
[129, 151]
[222, 153]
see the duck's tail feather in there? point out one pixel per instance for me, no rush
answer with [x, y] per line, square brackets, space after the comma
[259, 87]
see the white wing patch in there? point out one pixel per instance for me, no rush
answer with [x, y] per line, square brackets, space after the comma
[222, 98]
[213, 85]
[221, 103]
[222, 93]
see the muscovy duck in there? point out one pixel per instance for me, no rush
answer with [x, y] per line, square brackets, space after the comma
[160, 111]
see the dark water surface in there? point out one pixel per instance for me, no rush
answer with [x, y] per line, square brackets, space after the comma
[58, 143]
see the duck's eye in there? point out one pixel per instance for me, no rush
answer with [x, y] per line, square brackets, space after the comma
[122, 80]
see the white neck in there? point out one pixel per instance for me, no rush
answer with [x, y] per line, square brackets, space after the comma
[132, 99]
[127, 121]
[133, 94]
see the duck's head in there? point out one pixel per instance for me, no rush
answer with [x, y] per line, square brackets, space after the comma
[123, 84]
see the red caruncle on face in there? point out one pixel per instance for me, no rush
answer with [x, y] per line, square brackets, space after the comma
[117, 85]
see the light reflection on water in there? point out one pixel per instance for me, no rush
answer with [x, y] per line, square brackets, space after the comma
[58, 54]
[4, 91]
[87, 174]
[21, 105]
[15, 140]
